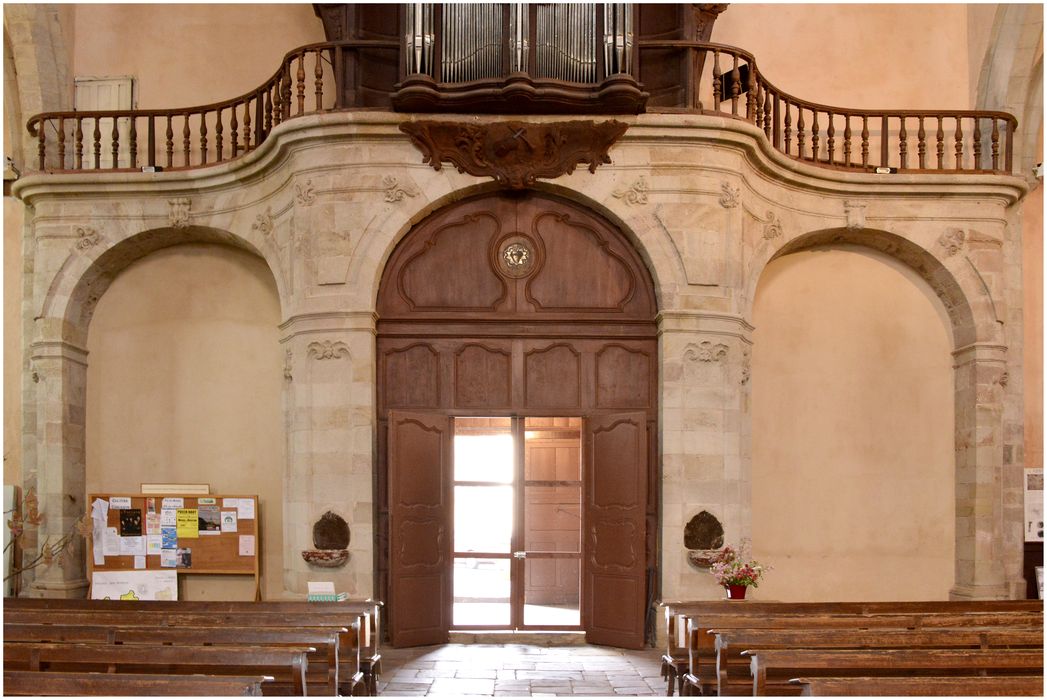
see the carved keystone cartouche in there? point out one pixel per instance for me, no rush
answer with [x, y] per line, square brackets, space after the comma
[515, 153]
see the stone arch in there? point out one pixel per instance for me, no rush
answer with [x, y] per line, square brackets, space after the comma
[979, 380]
[651, 241]
[82, 279]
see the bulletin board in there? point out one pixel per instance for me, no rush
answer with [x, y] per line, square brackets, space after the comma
[203, 536]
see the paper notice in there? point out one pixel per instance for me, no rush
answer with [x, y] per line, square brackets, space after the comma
[230, 502]
[188, 522]
[169, 558]
[245, 509]
[153, 544]
[139, 561]
[152, 523]
[132, 546]
[228, 521]
[246, 545]
[120, 502]
[111, 542]
[172, 503]
[168, 538]
[168, 517]
[99, 514]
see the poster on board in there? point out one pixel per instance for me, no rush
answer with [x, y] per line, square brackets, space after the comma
[134, 585]
[1034, 505]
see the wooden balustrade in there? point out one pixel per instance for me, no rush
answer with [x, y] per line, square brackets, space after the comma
[723, 80]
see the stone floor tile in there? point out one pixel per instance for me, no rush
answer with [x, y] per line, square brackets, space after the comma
[459, 686]
[429, 673]
[487, 673]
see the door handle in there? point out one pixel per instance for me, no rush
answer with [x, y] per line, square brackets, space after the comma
[520, 555]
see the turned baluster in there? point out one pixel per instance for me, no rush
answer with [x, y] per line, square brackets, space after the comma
[186, 143]
[921, 145]
[300, 83]
[865, 141]
[757, 112]
[814, 135]
[268, 108]
[885, 131]
[751, 102]
[959, 144]
[247, 126]
[150, 137]
[318, 74]
[41, 145]
[903, 146]
[767, 114]
[799, 131]
[788, 126]
[995, 144]
[97, 135]
[234, 132]
[977, 144]
[115, 135]
[218, 129]
[169, 143]
[847, 140]
[830, 142]
[736, 88]
[79, 143]
[285, 95]
[1008, 157]
[941, 144]
[132, 137]
[61, 143]
[717, 80]
[203, 138]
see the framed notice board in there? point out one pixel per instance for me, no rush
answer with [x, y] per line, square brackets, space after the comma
[189, 534]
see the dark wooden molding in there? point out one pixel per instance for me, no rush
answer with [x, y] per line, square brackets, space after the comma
[515, 153]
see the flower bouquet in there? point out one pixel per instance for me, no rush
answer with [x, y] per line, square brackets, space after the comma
[735, 571]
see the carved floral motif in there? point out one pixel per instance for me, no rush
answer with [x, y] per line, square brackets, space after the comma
[395, 192]
[86, 237]
[288, 358]
[729, 195]
[635, 193]
[772, 226]
[304, 195]
[705, 351]
[263, 223]
[178, 212]
[746, 366]
[515, 153]
[328, 350]
[952, 240]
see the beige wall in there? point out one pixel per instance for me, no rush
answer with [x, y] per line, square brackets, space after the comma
[186, 55]
[184, 385]
[14, 214]
[859, 56]
[853, 494]
[1032, 285]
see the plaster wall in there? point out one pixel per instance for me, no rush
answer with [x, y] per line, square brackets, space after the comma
[853, 463]
[14, 217]
[184, 384]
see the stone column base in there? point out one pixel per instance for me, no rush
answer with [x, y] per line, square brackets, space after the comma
[989, 591]
[57, 589]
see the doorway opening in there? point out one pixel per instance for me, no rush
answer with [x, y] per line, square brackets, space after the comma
[517, 501]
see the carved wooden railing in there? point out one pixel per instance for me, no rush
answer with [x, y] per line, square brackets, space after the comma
[719, 79]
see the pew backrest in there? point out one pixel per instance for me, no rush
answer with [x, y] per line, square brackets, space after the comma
[76, 684]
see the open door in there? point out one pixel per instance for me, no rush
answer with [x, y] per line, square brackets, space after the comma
[420, 460]
[615, 453]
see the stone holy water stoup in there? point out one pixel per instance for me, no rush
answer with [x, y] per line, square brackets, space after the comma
[331, 540]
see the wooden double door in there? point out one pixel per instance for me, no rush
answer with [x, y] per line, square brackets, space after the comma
[514, 307]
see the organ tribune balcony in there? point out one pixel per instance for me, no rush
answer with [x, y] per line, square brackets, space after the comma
[518, 59]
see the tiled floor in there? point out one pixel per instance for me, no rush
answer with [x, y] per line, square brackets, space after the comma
[520, 670]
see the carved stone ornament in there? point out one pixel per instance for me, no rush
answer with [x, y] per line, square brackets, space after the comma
[395, 192]
[772, 226]
[178, 212]
[729, 195]
[705, 351]
[264, 222]
[855, 215]
[635, 193]
[86, 237]
[328, 350]
[952, 241]
[304, 195]
[703, 531]
[288, 365]
[515, 153]
[747, 366]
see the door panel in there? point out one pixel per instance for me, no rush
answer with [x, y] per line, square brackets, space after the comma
[419, 515]
[615, 450]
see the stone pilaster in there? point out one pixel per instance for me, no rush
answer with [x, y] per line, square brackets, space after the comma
[706, 430]
[329, 410]
[59, 372]
[979, 472]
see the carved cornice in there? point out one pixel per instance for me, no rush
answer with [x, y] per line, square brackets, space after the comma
[515, 153]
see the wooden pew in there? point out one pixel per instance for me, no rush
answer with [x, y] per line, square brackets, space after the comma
[922, 686]
[129, 684]
[676, 660]
[369, 611]
[285, 664]
[701, 647]
[350, 674]
[322, 671]
[785, 664]
[733, 669]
